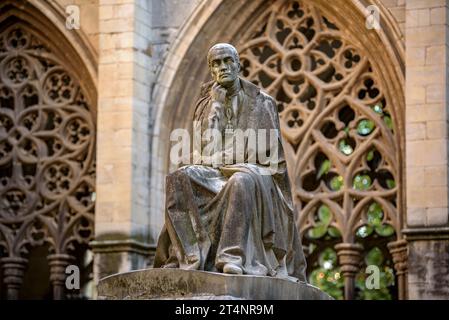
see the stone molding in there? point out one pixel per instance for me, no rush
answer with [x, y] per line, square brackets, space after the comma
[178, 284]
[429, 233]
[129, 245]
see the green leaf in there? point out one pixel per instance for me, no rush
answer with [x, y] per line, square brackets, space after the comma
[375, 215]
[370, 155]
[390, 183]
[328, 255]
[336, 183]
[374, 257]
[389, 276]
[346, 149]
[384, 230]
[365, 127]
[362, 182]
[388, 122]
[324, 214]
[324, 168]
[312, 247]
[375, 207]
[318, 231]
[334, 232]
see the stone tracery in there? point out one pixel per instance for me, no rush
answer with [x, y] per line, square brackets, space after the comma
[338, 125]
[47, 140]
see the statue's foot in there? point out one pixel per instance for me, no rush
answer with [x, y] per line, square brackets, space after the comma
[231, 268]
[287, 277]
[171, 265]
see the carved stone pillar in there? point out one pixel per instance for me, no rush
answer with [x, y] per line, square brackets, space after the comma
[115, 256]
[58, 264]
[122, 206]
[349, 257]
[13, 272]
[398, 250]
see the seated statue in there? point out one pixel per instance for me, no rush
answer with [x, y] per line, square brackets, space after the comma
[235, 217]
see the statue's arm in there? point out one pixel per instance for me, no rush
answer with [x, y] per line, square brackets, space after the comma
[208, 115]
[269, 120]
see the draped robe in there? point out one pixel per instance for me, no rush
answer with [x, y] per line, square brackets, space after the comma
[234, 213]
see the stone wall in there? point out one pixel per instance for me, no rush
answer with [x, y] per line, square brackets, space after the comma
[88, 17]
[429, 269]
[397, 9]
[426, 43]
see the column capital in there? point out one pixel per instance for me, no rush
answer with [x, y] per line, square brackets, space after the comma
[399, 250]
[349, 257]
[13, 273]
[127, 245]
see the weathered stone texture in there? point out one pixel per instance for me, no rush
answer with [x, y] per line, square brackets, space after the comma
[426, 124]
[123, 126]
[397, 9]
[429, 269]
[189, 284]
[89, 17]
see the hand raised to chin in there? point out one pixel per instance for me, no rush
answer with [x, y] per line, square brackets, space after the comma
[218, 93]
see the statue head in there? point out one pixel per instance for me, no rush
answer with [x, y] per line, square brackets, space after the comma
[224, 63]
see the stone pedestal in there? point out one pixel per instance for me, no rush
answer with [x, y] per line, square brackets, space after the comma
[189, 284]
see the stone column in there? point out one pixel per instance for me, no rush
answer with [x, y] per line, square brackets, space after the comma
[426, 33]
[349, 258]
[13, 272]
[122, 238]
[58, 264]
[398, 251]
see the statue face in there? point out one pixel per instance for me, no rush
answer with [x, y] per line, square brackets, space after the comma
[224, 66]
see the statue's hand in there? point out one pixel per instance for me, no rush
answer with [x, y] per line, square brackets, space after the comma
[215, 116]
[218, 93]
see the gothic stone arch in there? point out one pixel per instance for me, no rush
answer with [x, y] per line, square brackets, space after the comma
[341, 104]
[47, 147]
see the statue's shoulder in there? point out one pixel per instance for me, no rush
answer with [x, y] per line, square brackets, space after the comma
[254, 91]
[205, 89]
[266, 97]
